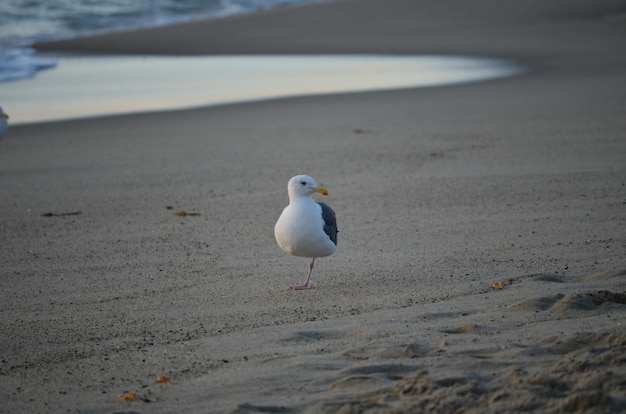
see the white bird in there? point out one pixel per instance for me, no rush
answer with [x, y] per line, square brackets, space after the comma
[306, 228]
[4, 125]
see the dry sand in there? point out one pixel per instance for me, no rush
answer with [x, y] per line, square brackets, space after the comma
[439, 193]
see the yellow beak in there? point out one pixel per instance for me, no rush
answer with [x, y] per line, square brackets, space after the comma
[2, 114]
[322, 190]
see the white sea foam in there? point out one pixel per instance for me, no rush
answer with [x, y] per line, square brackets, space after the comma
[21, 63]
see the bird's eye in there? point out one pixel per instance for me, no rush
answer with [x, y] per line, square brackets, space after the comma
[303, 182]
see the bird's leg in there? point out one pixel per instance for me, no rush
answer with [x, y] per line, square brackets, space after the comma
[306, 284]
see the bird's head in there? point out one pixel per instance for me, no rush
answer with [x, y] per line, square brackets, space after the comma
[304, 186]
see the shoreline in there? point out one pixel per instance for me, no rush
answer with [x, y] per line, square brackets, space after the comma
[141, 84]
[439, 193]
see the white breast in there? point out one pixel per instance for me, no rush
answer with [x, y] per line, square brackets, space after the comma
[300, 230]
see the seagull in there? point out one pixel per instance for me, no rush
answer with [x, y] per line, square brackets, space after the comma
[4, 125]
[306, 228]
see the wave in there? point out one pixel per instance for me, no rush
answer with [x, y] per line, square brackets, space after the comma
[25, 23]
[21, 63]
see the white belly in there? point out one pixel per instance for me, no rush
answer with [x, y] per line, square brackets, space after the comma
[300, 231]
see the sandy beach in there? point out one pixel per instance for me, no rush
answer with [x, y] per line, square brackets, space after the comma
[439, 193]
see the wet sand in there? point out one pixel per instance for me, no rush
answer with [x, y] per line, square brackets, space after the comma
[439, 193]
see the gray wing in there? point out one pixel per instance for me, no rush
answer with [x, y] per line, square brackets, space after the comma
[330, 222]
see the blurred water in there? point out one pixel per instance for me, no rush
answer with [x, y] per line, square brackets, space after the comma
[23, 22]
[95, 86]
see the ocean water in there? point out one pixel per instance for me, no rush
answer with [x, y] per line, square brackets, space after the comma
[95, 86]
[47, 87]
[23, 22]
